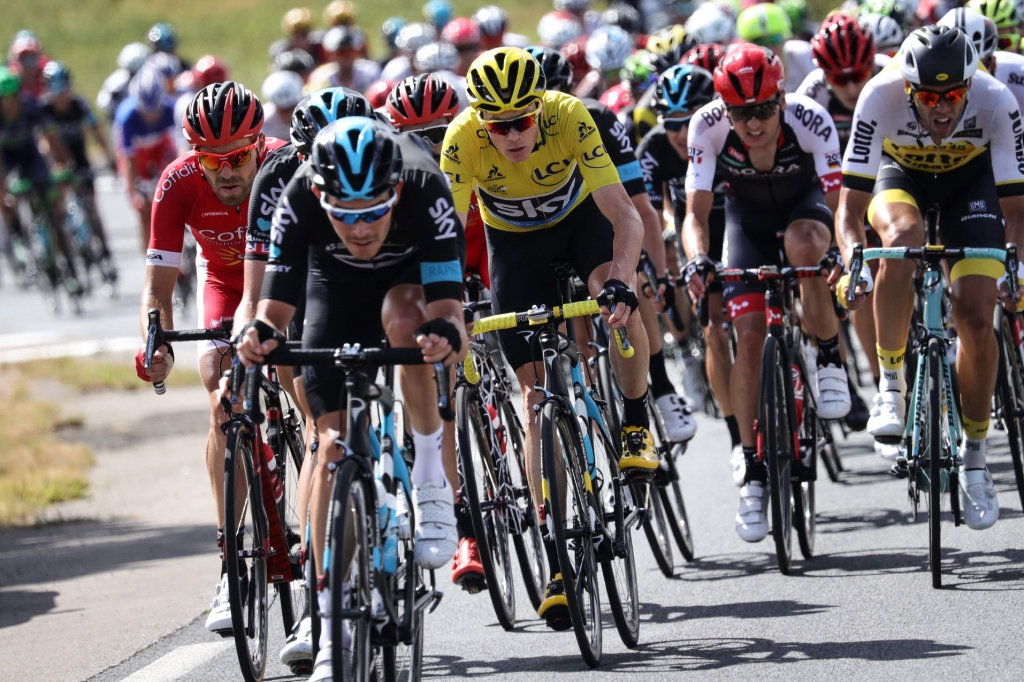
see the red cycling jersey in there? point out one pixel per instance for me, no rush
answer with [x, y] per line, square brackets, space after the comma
[476, 243]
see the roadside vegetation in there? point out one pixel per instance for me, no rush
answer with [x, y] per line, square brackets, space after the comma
[88, 375]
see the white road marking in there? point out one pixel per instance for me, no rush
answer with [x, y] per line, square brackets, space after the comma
[178, 663]
[18, 351]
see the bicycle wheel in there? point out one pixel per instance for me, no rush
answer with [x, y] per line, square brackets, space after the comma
[672, 499]
[403, 661]
[1011, 396]
[571, 527]
[314, 605]
[294, 595]
[351, 543]
[806, 472]
[778, 446]
[487, 494]
[609, 391]
[932, 451]
[246, 537]
[828, 453]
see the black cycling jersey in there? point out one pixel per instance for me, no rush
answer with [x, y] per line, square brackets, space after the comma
[424, 230]
[18, 148]
[277, 171]
[71, 125]
[618, 142]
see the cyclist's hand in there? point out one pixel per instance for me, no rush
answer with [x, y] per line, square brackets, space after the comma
[441, 341]
[837, 272]
[1008, 302]
[256, 340]
[699, 272]
[139, 201]
[624, 299]
[160, 367]
[864, 287]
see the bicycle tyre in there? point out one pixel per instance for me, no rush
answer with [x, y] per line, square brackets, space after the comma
[933, 448]
[294, 596]
[804, 501]
[246, 561]
[352, 515]
[829, 454]
[609, 393]
[489, 527]
[678, 520]
[1011, 392]
[778, 445]
[582, 591]
[314, 603]
[403, 662]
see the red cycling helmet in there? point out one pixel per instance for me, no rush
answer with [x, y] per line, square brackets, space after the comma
[209, 70]
[705, 56]
[377, 93]
[748, 75]
[423, 98]
[222, 113]
[461, 32]
[842, 46]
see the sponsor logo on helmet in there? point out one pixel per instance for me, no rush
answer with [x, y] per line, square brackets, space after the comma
[941, 77]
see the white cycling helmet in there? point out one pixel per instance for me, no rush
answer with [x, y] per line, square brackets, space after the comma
[710, 24]
[436, 57]
[412, 37]
[979, 28]
[149, 88]
[133, 56]
[608, 48]
[557, 28]
[574, 6]
[493, 20]
[888, 34]
[283, 88]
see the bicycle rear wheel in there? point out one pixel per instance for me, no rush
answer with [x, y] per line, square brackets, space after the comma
[1010, 391]
[804, 501]
[294, 596]
[571, 527]
[403, 662]
[778, 446]
[932, 450]
[246, 538]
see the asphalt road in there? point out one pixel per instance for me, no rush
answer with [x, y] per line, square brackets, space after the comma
[863, 608]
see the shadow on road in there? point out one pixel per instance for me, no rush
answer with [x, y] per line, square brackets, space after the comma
[703, 654]
[860, 519]
[21, 606]
[658, 613]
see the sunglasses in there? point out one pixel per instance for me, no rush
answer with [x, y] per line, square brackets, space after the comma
[1009, 41]
[931, 99]
[505, 127]
[235, 159]
[762, 111]
[674, 125]
[842, 79]
[351, 216]
[434, 135]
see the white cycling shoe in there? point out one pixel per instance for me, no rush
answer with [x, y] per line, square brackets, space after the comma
[886, 420]
[680, 426]
[323, 668]
[752, 516]
[980, 503]
[436, 537]
[298, 648]
[219, 620]
[833, 392]
[739, 465]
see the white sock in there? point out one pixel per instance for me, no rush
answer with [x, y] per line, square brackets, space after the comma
[324, 600]
[428, 468]
[974, 453]
[893, 380]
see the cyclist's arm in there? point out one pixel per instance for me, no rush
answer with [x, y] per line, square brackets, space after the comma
[99, 135]
[629, 230]
[653, 242]
[853, 207]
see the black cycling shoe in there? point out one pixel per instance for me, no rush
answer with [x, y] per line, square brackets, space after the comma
[857, 418]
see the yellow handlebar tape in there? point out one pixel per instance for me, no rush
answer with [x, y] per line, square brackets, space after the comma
[469, 369]
[494, 322]
[841, 287]
[578, 309]
[626, 350]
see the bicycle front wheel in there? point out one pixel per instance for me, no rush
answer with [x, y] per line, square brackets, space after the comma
[778, 447]
[932, 451]
[246, 537]
[403, 662]
[1010, 391]
[294, 596]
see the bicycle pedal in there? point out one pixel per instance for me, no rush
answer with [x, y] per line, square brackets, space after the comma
[302, 669]
[899, 469]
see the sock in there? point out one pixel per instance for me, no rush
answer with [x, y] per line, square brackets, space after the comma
[974, 443]
[734, 429]
[635, 411]
[660, 383]
[828, 352]
[756, 471]
[891, 364]
[429, 467]
[323, 598]
[549, 549]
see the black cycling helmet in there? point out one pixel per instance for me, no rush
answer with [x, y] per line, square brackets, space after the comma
[319, 109]
[684, 87]
[625, 17]
[934, 56]
[356, 158]
[557, 69]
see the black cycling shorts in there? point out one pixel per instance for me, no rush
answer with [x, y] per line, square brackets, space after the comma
[967, 198]
[345, 308]
[521, 267]
[752, 241]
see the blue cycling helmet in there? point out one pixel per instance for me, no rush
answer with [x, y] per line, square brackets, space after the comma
[162, 37]
[557, 69]
[356, 158]
[149, 88]
[57, 77]
[683, 87]
[438, 13]
[390, 28]
[319, 109]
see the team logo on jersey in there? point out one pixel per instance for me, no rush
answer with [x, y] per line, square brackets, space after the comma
[494, 175]
[621, 135]
[971, 128]
[596, 157]
[542, 174]
[535, 211]
[1015, 80]
[978, 205]
[695, 155]
[647, 165]
[452, 153]
[834, 159]
[443, 214]
[863, 135]
[735, 153]
[585, 130]
[813, 121]
[269, 200]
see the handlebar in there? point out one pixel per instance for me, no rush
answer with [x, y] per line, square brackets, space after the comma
[539, 315]
[157, 336]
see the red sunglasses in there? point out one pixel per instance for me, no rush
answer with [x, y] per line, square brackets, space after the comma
[931, 99]
[235, 159]
[505, 127]
[842, 79]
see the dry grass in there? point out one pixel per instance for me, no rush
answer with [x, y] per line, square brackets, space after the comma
[87, 375]
[36, 468]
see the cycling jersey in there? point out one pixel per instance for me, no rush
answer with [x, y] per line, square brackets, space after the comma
[477, 261]
[71, 124]
[644, 116]
[815, 87]
[618, 141]
[1010, 72]
[276, 171]
[364, 73]
[798, 63]
[145, 144]
[113, 92]
[885, 121]
[18, 149]
[569, 162]
[807, 155]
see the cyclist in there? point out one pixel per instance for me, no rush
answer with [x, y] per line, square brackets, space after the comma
[548, 190]
[710, 24]
[163, 38]
[282, 90]
[464, 34]
[297, 25]
[950, 143]
[208, 70]
[363, 230]
[115, 88]
[779, 155]
[555, 29]
[438, 13]
[679, 93]
[493, 22]
[344, 68]
[144, 135]
[768, 25]
[670, 44]
[607, 51]
[1005, 16]
[1007, 67]
[888, 34]
[72, 116]
[207, 192]
[628, 18]
[26, 59]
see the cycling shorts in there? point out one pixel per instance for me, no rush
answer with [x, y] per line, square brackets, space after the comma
[521, 268]
[752, 241]
[30, 164]
[345, 308]
[216, 301]
[967, 198]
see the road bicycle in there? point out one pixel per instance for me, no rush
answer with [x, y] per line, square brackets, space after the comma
[80, 219]
[1009, 396]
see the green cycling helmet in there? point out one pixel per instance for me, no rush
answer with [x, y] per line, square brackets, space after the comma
[764, 24]
[796, 9]
[10, 82]
[1003, 13]
[642, 68]
[894, 9]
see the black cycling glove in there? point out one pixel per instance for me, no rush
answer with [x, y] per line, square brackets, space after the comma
[700, 265]
[444, 329]
[265, 332]
[615, 292]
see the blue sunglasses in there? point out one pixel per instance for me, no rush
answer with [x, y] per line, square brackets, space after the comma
[351, 216]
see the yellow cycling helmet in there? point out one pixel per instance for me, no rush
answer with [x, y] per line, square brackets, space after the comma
[504, 79]
[670, 42]
[341, 13]
[297, 20]
[1002, 12]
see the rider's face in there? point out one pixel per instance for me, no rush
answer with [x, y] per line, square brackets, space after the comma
[941, 119]
[232, 185]
[517, 145]
[757, 134]
[677, 138]
[848, 92]
[364, 240]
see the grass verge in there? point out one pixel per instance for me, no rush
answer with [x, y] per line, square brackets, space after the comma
[87, 375]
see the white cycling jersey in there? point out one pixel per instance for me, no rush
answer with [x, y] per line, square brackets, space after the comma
[885, 122]
[799, 63]
[1010, 72]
